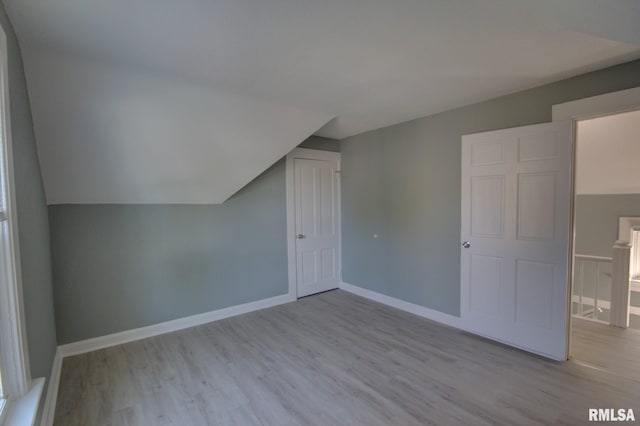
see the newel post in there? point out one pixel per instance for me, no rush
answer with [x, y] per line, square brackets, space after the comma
[620, 284]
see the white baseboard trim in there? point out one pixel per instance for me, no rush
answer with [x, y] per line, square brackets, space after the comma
[102, 342]
[431, 314]
[49, 409]
[114, 339]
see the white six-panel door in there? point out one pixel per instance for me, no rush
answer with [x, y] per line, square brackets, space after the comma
[317, 225]
[516, 199]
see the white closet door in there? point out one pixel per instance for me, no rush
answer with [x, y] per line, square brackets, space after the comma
[317, 225]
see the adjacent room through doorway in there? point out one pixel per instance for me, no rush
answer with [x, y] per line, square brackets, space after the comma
[605, 303]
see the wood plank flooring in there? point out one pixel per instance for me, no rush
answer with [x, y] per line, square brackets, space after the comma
[614, 349]
[329, 359]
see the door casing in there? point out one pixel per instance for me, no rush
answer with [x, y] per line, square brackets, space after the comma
[583, 109]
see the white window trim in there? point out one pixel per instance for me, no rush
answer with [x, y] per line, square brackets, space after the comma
[14, 362]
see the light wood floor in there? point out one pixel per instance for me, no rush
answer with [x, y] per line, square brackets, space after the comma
[613, 349]
[329, 359]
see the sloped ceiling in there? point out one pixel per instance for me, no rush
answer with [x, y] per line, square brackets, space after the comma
[157, 101]
[112, 135]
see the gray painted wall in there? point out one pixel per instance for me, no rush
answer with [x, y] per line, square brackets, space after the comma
[403, 183]
[597, 221]
[323, 144]
[118, 267]
[33, 226]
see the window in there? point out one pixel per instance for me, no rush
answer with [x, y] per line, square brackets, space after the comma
[14, 371]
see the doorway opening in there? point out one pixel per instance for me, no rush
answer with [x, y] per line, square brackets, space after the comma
[605, 287]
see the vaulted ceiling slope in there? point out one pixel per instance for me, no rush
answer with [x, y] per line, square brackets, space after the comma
[158, 101]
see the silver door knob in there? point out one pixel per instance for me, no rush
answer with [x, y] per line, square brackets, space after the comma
[466, 244]
[300, 236]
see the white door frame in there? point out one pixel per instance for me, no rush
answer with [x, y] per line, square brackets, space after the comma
[309, 154]
[582, 109]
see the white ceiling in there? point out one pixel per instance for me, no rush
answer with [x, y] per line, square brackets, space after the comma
[608, 155]
[121, 90]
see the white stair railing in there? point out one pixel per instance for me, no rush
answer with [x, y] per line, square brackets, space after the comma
[620, 294]
[591, 294]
